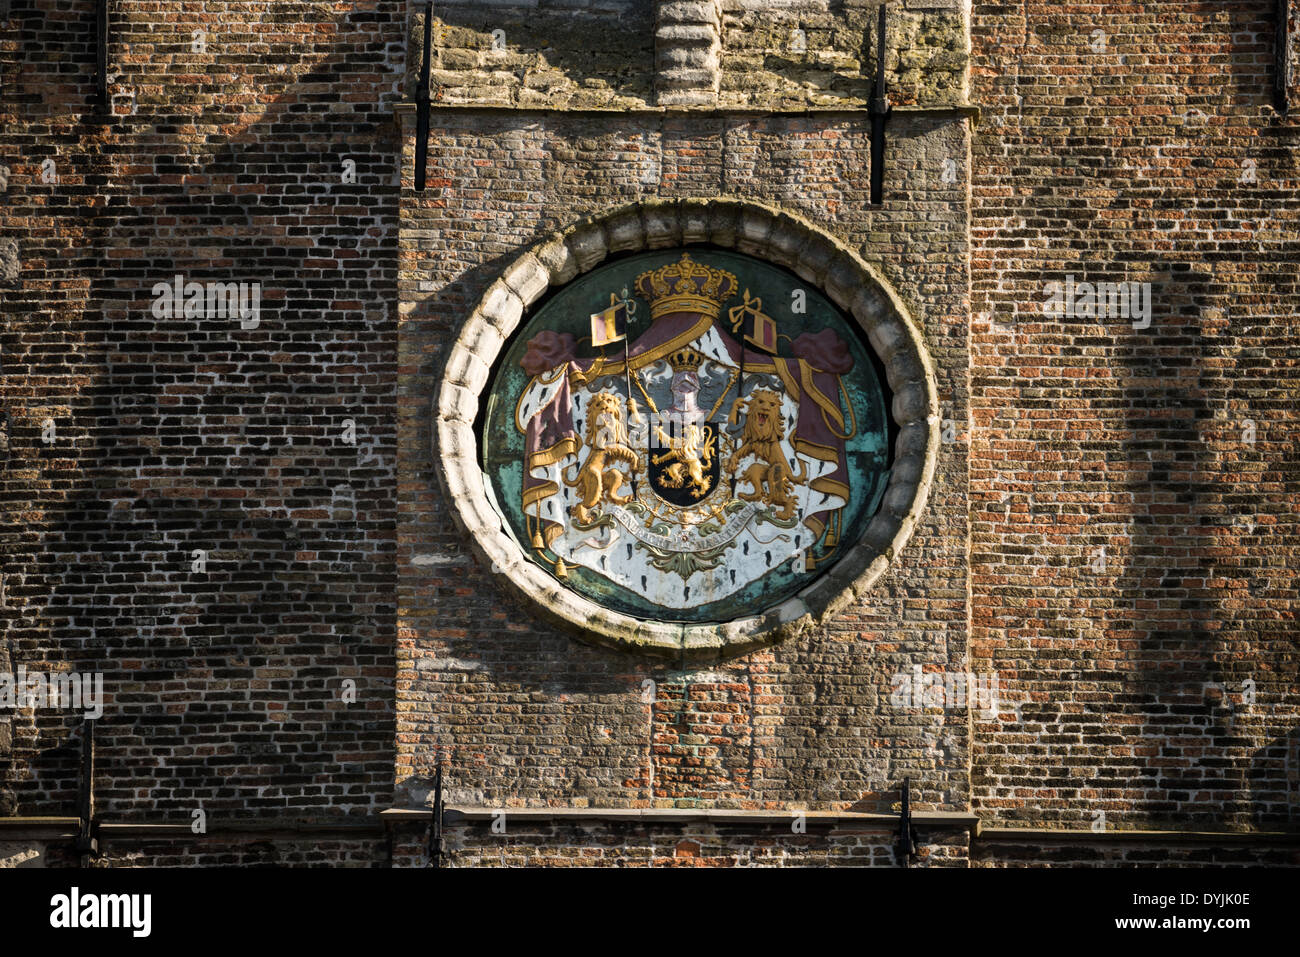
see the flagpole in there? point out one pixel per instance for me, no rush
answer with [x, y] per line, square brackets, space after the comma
[627, 375]
[740, 394]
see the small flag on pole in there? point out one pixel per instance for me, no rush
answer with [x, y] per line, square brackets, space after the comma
[610, 325]
[759, 328]
[760, 331]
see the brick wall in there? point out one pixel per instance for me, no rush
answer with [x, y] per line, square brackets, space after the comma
[1049, 852]
[175, 435]
[589, 844]
[1118, 143]
[1152, 684]
[243, 851]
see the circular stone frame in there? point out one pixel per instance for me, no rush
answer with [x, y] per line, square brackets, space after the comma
[757, 230]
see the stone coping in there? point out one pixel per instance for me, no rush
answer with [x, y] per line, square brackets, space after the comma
[763, 232]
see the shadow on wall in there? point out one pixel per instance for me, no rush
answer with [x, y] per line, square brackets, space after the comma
[520, 54]
[1171, 607]
[217, 549]
[1185, 576]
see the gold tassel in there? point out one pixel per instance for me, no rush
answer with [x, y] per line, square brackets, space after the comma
[560, 570]
[537, 541]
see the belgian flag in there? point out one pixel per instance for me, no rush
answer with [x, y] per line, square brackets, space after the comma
[610, 325]
[760, 331]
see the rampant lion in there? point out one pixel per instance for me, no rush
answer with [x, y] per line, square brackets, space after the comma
[691, 453]
[761, 437]
[597, 480]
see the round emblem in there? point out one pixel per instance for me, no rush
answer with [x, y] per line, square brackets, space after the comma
[687, 435]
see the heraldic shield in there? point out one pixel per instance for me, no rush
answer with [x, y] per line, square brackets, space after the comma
[665, 442]
[684, 462]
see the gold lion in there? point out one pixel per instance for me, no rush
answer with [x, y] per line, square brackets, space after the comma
[597, 480]
[761, 437]
[691, 454]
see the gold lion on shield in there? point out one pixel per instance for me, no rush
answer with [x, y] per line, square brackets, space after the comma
[691, 454]
[761, 437]
[597, 480]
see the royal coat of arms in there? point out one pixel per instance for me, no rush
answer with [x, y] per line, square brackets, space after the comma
[679, 448]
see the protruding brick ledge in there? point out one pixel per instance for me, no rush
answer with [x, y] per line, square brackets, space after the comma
[942, 820]
[65, 828]
[956, 820]
[765, 233]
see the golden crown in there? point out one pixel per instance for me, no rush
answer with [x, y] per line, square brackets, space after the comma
[686, 286]
[686, 360]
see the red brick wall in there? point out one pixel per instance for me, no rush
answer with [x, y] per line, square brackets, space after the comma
[182, 434]
[1118, 142]
[1130, 853]
[622, 845]
[1154, 157]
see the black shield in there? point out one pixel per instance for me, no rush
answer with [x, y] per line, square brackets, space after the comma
[684, 463]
